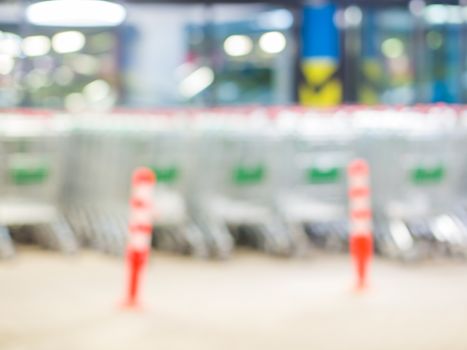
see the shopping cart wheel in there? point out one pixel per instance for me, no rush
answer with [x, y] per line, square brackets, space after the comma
[7, 249]
[218, 238]
[425, 242]
[275, 238]
[91, 228]
[196, 241]
[337, 237]
[107, 234]
[396, 241]
[76, 217]
[317, 233]
[460, 248]
[115, 234]
[170, 239]
[56, 235]
[301, 246]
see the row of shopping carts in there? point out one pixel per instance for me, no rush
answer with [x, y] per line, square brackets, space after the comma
[33, 148]
[269, 178]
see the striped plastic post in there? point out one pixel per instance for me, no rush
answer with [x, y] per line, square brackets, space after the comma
[140, 230]
[361, 240]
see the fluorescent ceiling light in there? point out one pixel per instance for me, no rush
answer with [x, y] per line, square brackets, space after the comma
[75, 13]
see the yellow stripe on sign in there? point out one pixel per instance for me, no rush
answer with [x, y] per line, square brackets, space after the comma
[373, 73]
[318, 71]
[372, 69]
[320, 89]
[368, 96]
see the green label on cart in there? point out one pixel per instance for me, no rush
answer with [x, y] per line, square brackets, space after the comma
[21, 175]
[324, 176]
[166, 175]
[248, 176]
[423, 175]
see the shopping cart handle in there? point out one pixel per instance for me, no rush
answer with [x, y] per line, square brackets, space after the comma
[31, 175]
[424, 175]
[166, 175]
[246, 176]
[324, 176]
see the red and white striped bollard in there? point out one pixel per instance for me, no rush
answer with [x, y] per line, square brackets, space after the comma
[361, 227]
[140, 230]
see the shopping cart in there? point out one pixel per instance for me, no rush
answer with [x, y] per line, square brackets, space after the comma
[167, 148]
[32, 151]
[236, 182]
[106, 149]
[313, 196]
[459, 164]
[99, 171]
[413, 176]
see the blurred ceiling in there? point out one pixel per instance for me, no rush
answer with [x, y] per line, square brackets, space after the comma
[282, 3]
[293, 3]
[288, 3]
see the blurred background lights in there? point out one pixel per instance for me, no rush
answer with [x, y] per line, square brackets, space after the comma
[10, 44]
[37, 45]
[184, 69]
[353, 16]
[101, 42]
[455, 15]
[436, 14]
[434, 40]
[277, 19]
[37, 79]
[238, 45]
[63, 76]
[75, 13]
[85, 64]
[196, 82]
[416, 7]
[7, 64]
[67, 42]
[272, 42]
[75, 102]
[392, 47]
[97, 90]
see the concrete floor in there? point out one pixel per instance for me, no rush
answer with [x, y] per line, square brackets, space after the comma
[51, 302]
